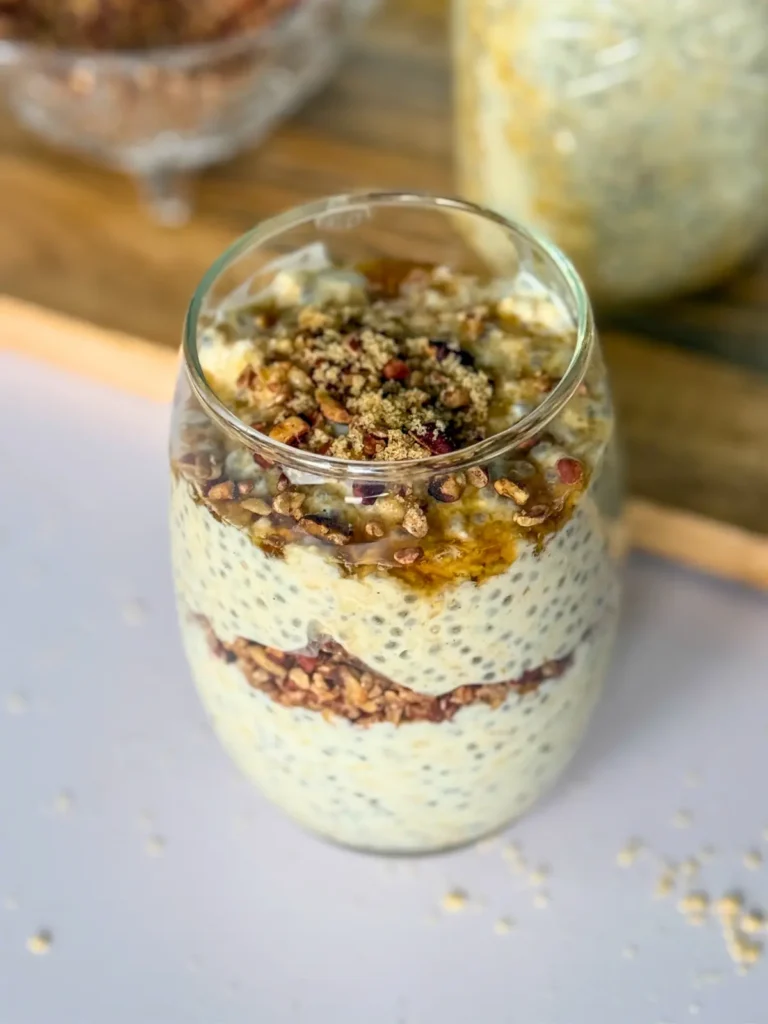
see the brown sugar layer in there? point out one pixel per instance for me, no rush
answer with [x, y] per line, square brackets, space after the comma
[329, 680]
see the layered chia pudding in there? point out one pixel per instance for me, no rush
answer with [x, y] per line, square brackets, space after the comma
[634, 133]
[397, 602]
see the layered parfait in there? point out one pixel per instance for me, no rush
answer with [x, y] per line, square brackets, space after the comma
[403, 660]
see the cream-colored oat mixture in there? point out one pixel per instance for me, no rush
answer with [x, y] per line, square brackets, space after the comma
[405, 666]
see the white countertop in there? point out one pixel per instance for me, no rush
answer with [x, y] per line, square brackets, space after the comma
[174, 893]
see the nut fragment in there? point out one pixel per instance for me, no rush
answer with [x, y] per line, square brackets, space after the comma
[374, 529]
[224, 491]
[415, 521]
[509, 489]
[289, 503]
[478, 476]
[290, 430]
[315, 526]
[533, 516]
[446, 488]
[407, 556]
[299, 380]
[258, 506]
[331, 409]
[244, 488]
[433, 440]
[455, 398]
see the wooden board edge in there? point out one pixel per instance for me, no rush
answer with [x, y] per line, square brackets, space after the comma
[149, 370]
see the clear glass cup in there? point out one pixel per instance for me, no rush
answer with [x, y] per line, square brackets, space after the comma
[160, 114]
[387, 701]
[634, 134]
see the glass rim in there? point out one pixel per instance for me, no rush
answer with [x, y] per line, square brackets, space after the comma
[514, 436]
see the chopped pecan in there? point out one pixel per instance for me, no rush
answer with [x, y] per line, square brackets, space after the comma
[446, 488]
[533, 516]
[290, 430]
[509, 489]
[478, 476]
[374, 529]
[331, 409]
[455, 398]
[315, 526]
[289, 503]
[244, 488]
[262, 461]
[224, 491]
[415, 521]
[299, 380]
[408, 556]
[258, 506]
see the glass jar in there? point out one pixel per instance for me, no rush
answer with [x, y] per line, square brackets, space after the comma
[402, 655]
[634, 133]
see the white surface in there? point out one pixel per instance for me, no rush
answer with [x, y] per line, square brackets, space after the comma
[242, 918]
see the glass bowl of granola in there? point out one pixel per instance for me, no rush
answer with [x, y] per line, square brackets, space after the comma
[161, 88]
[395, 516]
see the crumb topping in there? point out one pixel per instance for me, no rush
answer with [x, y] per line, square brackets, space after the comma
[399, 362]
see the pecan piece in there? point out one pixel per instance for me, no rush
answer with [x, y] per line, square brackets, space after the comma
[408, 556]
[258, 506]
[509, 489]
[331, 409]
[415, 521]
[455, 398]
[446, 488]
[288, 503]
[374, 529]
[290, 430]
[224, 491]
[315, 526]
[262, 462]
[478, 476]
[244, 488]
[533, 516]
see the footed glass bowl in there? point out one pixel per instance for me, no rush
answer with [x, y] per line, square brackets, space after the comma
[160, 114]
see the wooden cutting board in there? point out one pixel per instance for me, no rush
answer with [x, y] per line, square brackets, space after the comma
[691, 378]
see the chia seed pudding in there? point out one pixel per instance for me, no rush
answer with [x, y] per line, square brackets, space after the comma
[402, 664]
[633, 133]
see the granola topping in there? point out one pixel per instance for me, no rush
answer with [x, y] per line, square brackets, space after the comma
[330, 680]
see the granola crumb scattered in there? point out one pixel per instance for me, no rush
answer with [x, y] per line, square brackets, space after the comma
[16, 704]
[155, 846]
[541, 900]
[694, 906]
[753, 923]
[682, 819]
[503, 925]
[40, 943]
[455, 901]
[539, 876]
[627, 856]
[664, 885]
[753, 860]
[690, 867]
[64, 803]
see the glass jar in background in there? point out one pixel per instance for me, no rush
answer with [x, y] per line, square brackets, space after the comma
[634, 133]
[394, 516]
